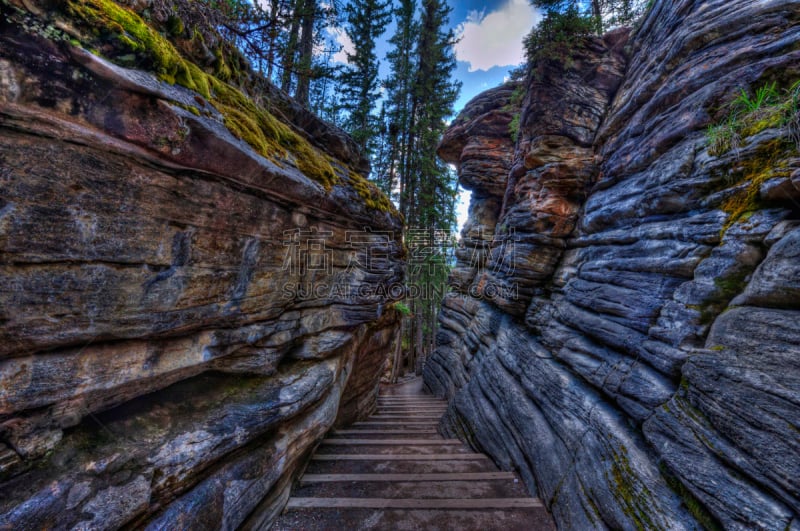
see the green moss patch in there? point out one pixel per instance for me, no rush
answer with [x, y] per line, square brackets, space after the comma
[372, 195]
[697, 509]
[635, 502]
[131, 32]
[247, 121]
[768, 163]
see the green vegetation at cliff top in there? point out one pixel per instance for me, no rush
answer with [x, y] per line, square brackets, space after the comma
[249, 122]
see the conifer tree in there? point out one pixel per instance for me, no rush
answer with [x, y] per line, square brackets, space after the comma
[421, 95]
[308, 16]
[397, 116]
[601, 14]
[365, 22]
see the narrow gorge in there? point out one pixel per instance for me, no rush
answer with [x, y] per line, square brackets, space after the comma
[198, 282]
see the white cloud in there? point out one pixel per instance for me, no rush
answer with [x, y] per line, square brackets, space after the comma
[495, 39]
[462, 207]
[341, 38]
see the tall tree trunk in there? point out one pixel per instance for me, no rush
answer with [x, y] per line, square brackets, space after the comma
[397, 360]
[308, 17]
[290, 52]
[272, 35]
[597, 13]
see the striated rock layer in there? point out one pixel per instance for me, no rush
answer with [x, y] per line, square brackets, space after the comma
[164, 360]
[630, 342]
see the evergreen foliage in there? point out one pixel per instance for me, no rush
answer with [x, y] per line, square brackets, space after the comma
[421, 95]
[365, 22]
[565, 21]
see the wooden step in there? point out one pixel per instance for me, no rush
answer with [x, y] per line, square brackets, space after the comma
[453, 476]
[412, 402]
[395, 442]
[411, 405]
[393, 470]
[410, 416]
[395, 423]
[397, 457]
[393, 411]
[414, 503]
[386, 432]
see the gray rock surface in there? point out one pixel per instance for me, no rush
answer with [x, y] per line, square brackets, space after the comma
[644, 373]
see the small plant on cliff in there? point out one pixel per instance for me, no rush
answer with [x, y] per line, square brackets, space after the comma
[556, 35]
[565, 20]
[513, 128]
[723, 138]
[750, 114]
[402, 308]
[763, 96]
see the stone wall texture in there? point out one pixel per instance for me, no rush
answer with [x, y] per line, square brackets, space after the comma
[162, 363]
[616, 332]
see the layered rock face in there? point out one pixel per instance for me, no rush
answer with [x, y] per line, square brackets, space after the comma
[631, 343]
[181, 318]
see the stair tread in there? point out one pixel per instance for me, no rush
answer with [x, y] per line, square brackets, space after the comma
[451, 476]
[416, 503]
[397, 457]
[393, 442]
[394, 470]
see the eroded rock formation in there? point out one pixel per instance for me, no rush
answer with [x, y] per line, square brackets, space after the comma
[181, 317]
[630, 343]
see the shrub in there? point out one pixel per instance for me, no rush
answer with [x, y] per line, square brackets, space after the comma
[557, 33]
[513, 128]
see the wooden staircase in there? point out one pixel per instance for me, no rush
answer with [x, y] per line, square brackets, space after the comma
[394, 471]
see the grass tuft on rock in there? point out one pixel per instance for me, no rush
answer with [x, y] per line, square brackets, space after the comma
[767, 108]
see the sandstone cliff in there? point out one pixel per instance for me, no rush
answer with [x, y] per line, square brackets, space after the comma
[626, 333]
[163, 362]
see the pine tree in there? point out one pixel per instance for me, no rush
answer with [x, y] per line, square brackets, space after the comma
[365, 22]
[600, 14]
[421, 95]
[302, 66]
[397, 121]
[289, 56]
[433, 96]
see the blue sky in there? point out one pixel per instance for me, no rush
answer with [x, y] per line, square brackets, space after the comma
[491, 42]
[491, 36]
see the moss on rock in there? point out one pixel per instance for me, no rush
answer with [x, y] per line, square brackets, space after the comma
[247, 121]
[373, 197]
[768, 162]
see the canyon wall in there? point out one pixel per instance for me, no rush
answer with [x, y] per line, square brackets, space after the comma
[164, 360]
[624, 325]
